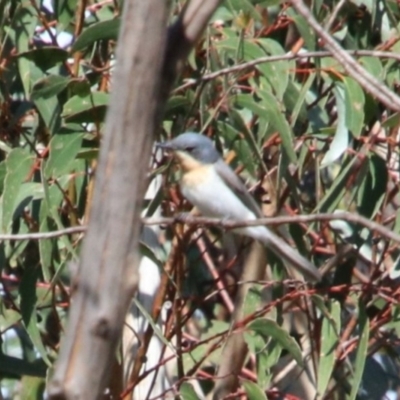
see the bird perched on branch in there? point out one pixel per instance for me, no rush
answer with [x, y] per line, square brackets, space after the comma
[211, 186]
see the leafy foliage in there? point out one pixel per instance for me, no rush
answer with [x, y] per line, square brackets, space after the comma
[306, 135]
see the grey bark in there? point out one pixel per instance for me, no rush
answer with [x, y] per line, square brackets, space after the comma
[108, 276]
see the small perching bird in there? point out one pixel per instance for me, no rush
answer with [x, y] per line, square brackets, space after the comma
[217, 192]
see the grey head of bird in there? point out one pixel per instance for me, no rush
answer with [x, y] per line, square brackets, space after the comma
[192, 148]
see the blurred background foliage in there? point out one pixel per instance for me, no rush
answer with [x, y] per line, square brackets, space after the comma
[302, 133]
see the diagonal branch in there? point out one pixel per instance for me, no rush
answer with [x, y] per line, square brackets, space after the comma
[350, 65]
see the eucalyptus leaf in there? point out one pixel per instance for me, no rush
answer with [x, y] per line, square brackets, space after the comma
[268, 328]
[86, 108]
[340, 141]
[104, 30]
[187, 392]
[28, 310]
[361, 355]
[330, 339]
[49, 86]
[253, 391]
[354, 104]
[63, 150]
[19, 166]
[45, 57]
[16, 366]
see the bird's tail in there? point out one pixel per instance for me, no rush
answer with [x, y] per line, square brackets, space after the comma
[283, 250]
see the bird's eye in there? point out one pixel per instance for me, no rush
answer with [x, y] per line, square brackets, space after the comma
[189, 149]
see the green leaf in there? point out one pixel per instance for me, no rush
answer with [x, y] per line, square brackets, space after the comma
[28, 191]
[63, 151]
[268, 112]
[248, 50]
[264, 359]
[241, 146]
[372, 190]
[45, 57]
[244, 7]
[156, 328]
[267, 354]
[255, 342]
[335, 193]
[374, 66]
[88, 154]
[253, 300]
[222, 14]
[26, 21]
[32, 388]
[50, 208]
[19, 165]
[247, 101]
[354, 104]
[46, 251]
[8, 317]
[89, 108]
[104, 30]
[3, 172]
[268, 328]
[340, 141]
[253, 391]
[49, 110]
[392, 121]
[362, 350]
[153, 254]
[49, 86]
[330, 339]
[177, 102]
[15, 366]
[278, 72]
[201, 352]
[65, 12]
[304, 28]
[279, 122]
[27, 290]
[187, 392]
[295, 100]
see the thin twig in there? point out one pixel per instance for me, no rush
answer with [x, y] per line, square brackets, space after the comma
[343, 215]
[191, 220]
[43, 235]
[284, 57]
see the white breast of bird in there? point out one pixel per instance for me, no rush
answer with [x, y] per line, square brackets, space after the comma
[207, 191]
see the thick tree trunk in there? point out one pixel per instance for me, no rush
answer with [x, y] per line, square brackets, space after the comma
[107, 276]
[109, 262]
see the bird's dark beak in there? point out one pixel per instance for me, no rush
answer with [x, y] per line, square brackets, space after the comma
[165, 146]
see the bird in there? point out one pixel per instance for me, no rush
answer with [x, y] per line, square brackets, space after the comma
[210, 185]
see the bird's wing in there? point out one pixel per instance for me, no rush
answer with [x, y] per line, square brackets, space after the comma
[238, 187]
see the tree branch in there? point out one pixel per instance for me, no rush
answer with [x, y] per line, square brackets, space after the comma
[273, 221]
[43, 235]
[288, 56]
[191, 220]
